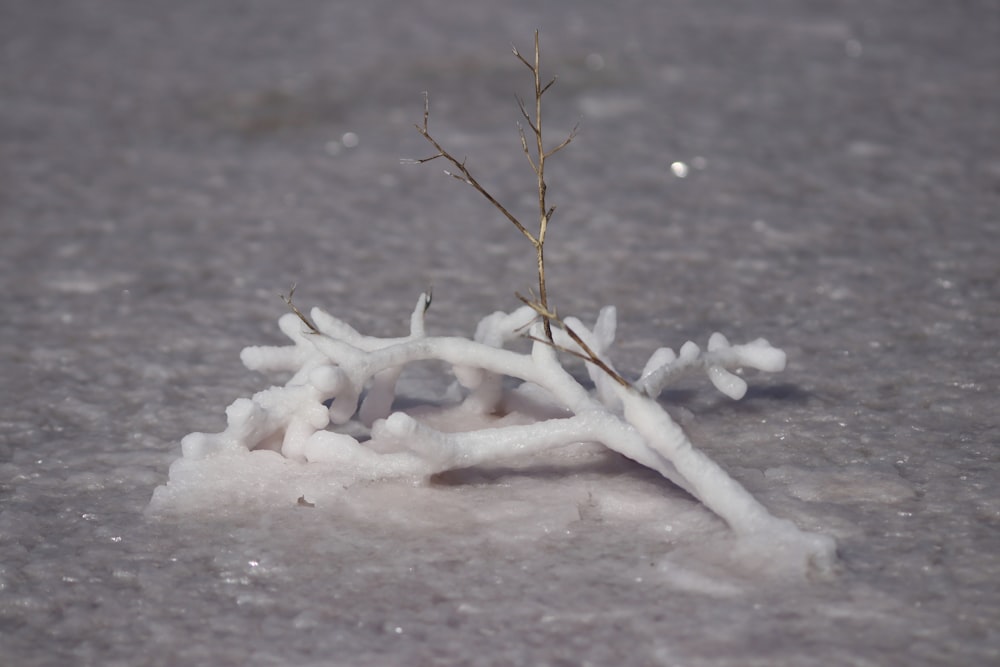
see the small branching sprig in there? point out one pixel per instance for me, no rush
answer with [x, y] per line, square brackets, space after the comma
[536, 160]
[536, 154]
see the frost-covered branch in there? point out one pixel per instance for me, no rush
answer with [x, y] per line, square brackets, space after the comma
[664, 366]
[335, 366]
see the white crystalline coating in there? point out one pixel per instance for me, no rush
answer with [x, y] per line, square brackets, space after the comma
[689, 352]
[363, 462]
[327, 379]
[606, 326]
[717, 342]
[348, 379]
[760, 355]
[731, 385]
[663, 356]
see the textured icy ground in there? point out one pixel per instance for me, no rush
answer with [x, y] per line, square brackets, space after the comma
[167, 168]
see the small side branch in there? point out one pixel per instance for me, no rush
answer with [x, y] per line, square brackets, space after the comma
[464, 174]
[295, 309]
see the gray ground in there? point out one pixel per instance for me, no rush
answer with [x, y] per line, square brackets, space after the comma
[166, 168]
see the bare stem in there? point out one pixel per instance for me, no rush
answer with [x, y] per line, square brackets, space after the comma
[537, 163]
[534, 151]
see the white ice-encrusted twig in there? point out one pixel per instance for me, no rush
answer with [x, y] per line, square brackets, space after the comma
[334, 366]
[664, 366]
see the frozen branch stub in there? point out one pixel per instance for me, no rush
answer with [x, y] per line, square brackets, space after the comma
[344, 382]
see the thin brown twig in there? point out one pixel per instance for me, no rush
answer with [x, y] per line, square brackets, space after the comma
[536, 160]
[295, 309]
[466, 176]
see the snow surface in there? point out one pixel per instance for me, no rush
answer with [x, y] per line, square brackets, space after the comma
[167, 168]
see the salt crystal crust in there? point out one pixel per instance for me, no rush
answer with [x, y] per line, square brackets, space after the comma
[343, 377]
